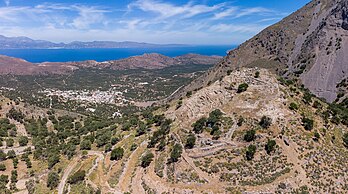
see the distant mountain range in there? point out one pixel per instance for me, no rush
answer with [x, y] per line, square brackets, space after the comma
[15, 66]
[28, 43]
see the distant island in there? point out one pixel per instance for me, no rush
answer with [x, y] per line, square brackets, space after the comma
[28, 43]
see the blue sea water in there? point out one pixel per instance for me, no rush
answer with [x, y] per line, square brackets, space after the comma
[64, 55]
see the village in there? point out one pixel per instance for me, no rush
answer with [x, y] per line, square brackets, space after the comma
[110, 96]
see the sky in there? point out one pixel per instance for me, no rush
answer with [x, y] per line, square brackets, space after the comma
[198, 22]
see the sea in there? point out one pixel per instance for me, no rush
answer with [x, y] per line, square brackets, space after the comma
[100, 54]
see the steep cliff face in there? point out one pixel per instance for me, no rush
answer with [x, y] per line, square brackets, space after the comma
[329, 43]
[309, 44]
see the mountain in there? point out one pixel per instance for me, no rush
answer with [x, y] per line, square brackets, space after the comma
[14, 66]
[27, 43]
[310, 46]
[267, 137]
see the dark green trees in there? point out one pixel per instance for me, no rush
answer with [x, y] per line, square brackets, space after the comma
[52, 180]
[199, 125]
[77, 177]
[175, 153]
[117, 154]
[307, 123]
[190, 141]
[23, 140]
[85, 144]
[270, 146]
[146, 159]
[250, 135]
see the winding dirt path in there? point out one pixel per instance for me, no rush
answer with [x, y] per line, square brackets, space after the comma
[66, 174]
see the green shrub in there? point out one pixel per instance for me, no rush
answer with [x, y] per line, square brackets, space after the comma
[240, 121]
[190, 141]
[117, 154]
[242, 87]
[52, 180]
[265, 122]
[175, 153]
[77, 177]
[251, 150]
[250, 135]
[199, 125]
[189, 94]
[85, 144]
[2, 167]
[307, 123]
[270, 146]
[23, 140]
[293, 106]
[316, 136]
[147, 159]
[257, 74]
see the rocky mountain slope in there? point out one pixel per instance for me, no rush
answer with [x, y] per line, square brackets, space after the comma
[9, 65]
[249, 132]
[310, 45]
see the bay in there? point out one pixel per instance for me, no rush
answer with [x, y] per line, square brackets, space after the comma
[100, 54]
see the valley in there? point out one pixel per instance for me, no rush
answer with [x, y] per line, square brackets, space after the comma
[269, 117]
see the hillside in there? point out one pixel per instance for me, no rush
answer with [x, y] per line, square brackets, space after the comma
[230, 137]
[14, 66]
[309, 46]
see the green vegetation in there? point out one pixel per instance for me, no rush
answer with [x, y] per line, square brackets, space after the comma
[270, 146]
[251, 150]
[265, 122]
[257, 74]
[175, 154]
[146, 159]
[240, 121]
[2, 167]
[117, 154]
[199, 125]
[52, 180]
[307, 123]
[242, 87]
[6, 128]
[190, 141]
[77, 177]
[293, 106]
[250, 135]
[85, 144]
[345, 139]
[23, 140]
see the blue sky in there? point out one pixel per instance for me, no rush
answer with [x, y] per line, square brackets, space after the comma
[204, 22]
